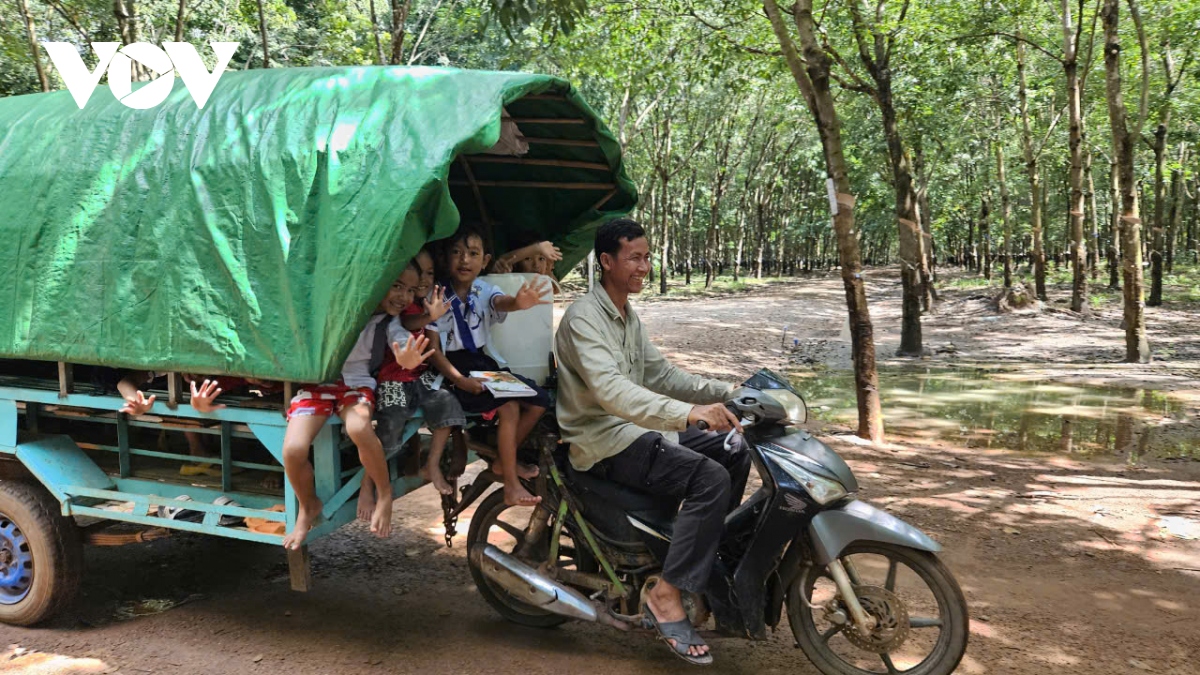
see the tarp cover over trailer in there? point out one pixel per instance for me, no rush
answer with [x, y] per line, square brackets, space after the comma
[253, 236]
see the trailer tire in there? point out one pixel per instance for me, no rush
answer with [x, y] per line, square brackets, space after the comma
[41, 556]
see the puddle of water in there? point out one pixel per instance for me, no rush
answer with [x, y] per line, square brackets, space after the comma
[978, 408]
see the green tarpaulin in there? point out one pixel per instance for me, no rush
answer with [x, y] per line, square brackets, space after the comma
[255, 236]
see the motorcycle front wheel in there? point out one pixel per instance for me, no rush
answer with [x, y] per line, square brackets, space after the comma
[919, 612]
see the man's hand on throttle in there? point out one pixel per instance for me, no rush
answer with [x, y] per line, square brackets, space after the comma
[716, 416]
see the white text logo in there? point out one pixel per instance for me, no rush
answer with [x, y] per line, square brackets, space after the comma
[179, 57]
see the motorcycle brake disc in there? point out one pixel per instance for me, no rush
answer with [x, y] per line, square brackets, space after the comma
[891, 620]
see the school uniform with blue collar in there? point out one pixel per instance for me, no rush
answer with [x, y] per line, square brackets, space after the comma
[465, 332]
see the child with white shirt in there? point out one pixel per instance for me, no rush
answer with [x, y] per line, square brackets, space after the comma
[460, 339]
[352, 398]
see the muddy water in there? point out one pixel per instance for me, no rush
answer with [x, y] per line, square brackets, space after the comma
[996, 409]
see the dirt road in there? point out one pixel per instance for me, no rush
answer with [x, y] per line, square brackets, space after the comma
[1065, 562]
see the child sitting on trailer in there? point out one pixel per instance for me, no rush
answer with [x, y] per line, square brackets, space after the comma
[352, 398]
[460, 338]
[402, 391]
[532, 256]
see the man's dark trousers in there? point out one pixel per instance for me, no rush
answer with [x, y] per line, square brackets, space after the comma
[699, 470]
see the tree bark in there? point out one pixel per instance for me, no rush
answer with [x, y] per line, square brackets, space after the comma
[1004, 216]
[1079, 285]
[262, 34]
[1173, 219]
[1114, 248]
[1194, 221]
[985, 238]
[812, 78]
[375, 33]
[1035, 187]
[1137, 348]
[1156, 230]
[399, 17]
[1094, 225]
[179, 17]
[34, 48]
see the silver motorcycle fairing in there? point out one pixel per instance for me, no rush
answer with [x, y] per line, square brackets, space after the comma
[832, 530]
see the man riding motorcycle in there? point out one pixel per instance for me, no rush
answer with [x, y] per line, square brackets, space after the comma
[634, 419]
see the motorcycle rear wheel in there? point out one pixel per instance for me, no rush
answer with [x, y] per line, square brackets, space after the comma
[942, 590]
[503, 526]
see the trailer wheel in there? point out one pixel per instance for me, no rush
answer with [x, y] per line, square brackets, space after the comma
[41, 558]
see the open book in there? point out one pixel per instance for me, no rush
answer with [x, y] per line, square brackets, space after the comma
[502, 384]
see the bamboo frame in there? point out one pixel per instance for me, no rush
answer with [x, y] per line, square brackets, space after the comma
[535, 184]
[562, 163]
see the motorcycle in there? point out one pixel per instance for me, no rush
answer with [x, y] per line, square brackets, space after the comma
[864, 591]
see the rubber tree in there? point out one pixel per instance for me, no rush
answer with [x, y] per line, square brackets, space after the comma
[1172, 76]
[34, 49]
[876, 47]
[1137, 347]
[1070, 62]
[812, 75]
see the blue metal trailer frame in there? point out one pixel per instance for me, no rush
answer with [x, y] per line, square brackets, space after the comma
[80, 485]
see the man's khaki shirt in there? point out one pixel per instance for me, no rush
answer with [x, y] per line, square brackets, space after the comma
[614, 385]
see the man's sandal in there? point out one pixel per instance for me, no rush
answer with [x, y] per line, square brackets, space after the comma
[682, 632]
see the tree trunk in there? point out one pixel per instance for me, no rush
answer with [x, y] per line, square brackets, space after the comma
[1035, 188]
[34, 48]
[1156, 230]
[1004, 213]
[1079, 285]
[691, 212]
[127, 25]
[1114, 248]
[179, 17]
[1094, 232]
[399, 17]
[1137, 348]
[1194, 221]
[929, 280]
[375, 33]
[1173, 219]
[262, 34]
[985, 239]
[812, 78]
[665, 251]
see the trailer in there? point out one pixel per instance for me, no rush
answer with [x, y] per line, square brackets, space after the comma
[250, 238]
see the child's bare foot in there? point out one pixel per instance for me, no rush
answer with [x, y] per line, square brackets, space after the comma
[517, 495]
[433, 474]
[381, 519]
[306, 517]
[366, 500]
[526, 471]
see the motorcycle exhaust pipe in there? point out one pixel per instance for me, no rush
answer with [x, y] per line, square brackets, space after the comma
[529, 585]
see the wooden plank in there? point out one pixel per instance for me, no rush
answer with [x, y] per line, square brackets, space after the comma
[565, 142]
[197, 503]
[124, 458]
[538, 184]
[604, 200]
[527, 161]
[327, 463]
[115, 403]
[226, 456]
[543, 97]
[288, 392]
[33, 414]
[174, 390]
[66, 379]
[300, 569]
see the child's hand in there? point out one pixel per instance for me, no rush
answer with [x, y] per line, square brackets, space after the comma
[531, 294]
[202, 398]
[471, 385]
[413, 353]
[138, 404]
[501, 266]
[550, 251]
[436, 306]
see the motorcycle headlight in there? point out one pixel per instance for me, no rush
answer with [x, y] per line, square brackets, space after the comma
[823, 490]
